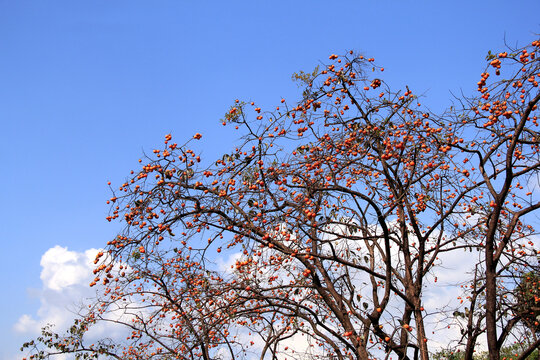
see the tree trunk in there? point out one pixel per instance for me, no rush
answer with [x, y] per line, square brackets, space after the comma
[421, 334]
[491, 307]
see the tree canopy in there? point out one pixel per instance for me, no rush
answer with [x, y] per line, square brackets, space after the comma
[337, 211]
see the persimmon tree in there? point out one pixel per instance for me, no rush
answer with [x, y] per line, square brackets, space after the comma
[335, 210]
[502, 159]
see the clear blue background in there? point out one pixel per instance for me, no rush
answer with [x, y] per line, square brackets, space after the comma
[87, 86]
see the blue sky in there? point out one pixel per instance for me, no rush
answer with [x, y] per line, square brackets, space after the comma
[87, 86]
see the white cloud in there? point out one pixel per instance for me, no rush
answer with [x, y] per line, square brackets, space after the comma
[25, 323]
[65, 293]
[65, 277]
[63, 268]
[226, 265]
